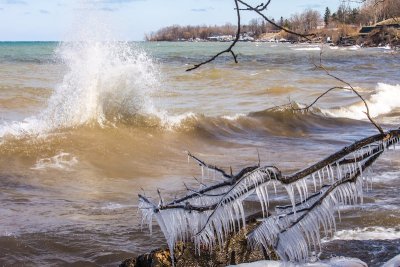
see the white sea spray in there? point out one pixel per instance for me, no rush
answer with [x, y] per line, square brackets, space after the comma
[383, 101]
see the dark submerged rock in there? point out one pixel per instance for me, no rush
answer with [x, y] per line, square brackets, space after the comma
[234, 251]
[372, 252]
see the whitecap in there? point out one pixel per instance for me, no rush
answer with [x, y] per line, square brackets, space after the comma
[116, 206]
[368, 233]
[383, 101]
[234, 117]
[307, 49]
[354, 47]
[333, 262]
[62, 161]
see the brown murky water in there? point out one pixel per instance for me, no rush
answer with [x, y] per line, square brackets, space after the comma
[86, 127]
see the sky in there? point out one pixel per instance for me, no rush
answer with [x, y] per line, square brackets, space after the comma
[52, 20]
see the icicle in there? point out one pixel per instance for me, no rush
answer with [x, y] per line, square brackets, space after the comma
[315, 184]
[339, 171]
[262, 200]
[331, 171]
[299, 190]
[265, 194]
[294, 242]
[371, 182]
[290, 191]
[320, 178]
[305, 188]
[295, 227]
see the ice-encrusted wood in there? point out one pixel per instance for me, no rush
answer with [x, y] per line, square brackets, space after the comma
[229, 212]
[209, 215]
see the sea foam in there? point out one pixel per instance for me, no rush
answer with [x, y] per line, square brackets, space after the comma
[313, 48]
[383, 101]
[62, 161]
[368, 233]
[333, 262]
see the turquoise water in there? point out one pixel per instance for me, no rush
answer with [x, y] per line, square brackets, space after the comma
[36, 52]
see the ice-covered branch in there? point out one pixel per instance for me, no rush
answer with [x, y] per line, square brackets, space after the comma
[209, 166]
[209, 215]
[295, 233]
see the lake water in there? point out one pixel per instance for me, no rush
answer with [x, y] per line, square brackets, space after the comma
[86, 126]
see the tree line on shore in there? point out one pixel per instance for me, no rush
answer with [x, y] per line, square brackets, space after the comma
[308, 21]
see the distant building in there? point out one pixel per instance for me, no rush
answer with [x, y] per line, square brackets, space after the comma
[221, 38]
[367, 29]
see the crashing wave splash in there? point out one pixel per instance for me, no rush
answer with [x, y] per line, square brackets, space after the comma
[383, 101]
[105, 81]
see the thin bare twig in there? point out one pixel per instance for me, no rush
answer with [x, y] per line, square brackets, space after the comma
[229, 49]
[209, 166]
[250, 8]
[318, 98]
[358, 94]
[322, 67]
[258, 9]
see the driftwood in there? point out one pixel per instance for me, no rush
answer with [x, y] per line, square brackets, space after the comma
[208, 216]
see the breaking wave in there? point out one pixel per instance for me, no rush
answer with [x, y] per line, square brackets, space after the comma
[368, 233]
[109, 83]
[105, 82]
[383, 101]
[316, 48]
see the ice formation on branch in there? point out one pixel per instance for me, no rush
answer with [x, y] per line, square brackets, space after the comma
[209, 215]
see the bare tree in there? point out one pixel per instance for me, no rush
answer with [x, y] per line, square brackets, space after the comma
[373, 11]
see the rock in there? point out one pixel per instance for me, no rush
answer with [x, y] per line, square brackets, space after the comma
[234, 251]
[373, 252]
[128, 263]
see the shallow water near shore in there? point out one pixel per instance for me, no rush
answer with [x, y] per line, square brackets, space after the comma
[86, 126]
